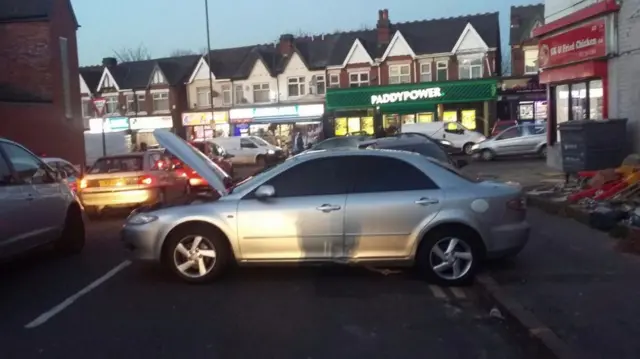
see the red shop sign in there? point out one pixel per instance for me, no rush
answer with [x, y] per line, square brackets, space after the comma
[585, 42]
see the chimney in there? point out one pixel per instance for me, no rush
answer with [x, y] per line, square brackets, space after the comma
[384, 27]
[286, 44]
[109, 62]
[515, 21]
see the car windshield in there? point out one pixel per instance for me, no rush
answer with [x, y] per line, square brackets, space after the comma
[259, 141]
[117, 164]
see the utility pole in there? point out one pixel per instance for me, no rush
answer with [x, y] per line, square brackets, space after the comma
[206, 11]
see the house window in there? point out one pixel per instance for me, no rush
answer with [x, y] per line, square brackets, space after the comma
[334, 80]
[87, 110]
[131, 103]
[358, 79]
[226, 94]
[531, 61]
[321, 85]
[158, 79]
[111, 104]
[470, 68]
[296, 86]
[399, 74]
[442, 73]
[261, 93]
[66, 83]
[141, 106]
[203, 97]
[160, 101]
[425, 72]
[239, 94]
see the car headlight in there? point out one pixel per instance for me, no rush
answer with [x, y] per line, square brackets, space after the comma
[475, 147]
[482, 138]
[270, 152]
[141, 218]
[446, 143]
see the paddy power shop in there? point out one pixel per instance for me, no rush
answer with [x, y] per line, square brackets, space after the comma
[364, 109]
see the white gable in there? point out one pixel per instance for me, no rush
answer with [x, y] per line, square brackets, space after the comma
[201, 72]
[107, 81]
[469, 41]
[158, 78]
[398, 47]
[83, 87]
[357, 55]
[259, 71]
[295, 63]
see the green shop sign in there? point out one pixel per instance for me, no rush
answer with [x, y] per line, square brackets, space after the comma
[411, 97]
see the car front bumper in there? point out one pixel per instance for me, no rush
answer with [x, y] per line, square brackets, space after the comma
[120, 198]
[508, 240]
[142, 241]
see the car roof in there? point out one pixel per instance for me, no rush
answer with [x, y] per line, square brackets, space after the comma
[341, 151]
[53, 159]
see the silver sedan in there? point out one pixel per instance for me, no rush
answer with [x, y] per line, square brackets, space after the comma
[367, 207]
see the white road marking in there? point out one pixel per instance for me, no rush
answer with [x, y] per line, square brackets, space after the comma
[44, 317]
[437, 292]
[458, 293]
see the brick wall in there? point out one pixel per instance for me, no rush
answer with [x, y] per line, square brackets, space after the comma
[517, 61]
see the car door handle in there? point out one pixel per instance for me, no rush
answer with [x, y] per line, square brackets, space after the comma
[328, 208]
[426, 201]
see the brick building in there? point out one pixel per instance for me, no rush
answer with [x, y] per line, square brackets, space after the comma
[39, 87]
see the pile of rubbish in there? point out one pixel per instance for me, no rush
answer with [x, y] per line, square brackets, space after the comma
[609, 197]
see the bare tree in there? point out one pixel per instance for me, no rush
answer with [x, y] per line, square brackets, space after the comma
[128, 54]
[505, 65]
[181, 52]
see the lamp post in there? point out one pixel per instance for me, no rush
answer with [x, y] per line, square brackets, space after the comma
[206, 11]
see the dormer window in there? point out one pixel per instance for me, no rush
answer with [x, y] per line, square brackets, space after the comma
[158, 79]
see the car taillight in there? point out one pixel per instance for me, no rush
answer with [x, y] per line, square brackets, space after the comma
[517, 204]
[147, 180]
[83, 183]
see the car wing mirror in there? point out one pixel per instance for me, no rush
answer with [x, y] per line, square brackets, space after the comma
[265, 191]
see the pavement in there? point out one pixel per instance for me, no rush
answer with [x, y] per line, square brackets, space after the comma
[100, 305]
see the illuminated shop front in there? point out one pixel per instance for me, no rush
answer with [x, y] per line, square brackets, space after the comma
[365, 109]
[142, 128]
[108, 124]
[201, 125]
[522, 99]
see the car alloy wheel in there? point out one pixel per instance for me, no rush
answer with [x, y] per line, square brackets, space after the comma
[467, 149]
[487, 155]
[451, 258]
[194, 256]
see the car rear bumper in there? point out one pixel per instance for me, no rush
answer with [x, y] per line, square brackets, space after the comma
[142, 242]
[120, 198]
[508, 240]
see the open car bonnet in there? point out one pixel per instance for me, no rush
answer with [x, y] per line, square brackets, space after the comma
[195, 159]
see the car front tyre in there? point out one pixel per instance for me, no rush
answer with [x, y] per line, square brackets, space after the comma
[487, 155]
[72, 239]
[197, 253]
[449, 257]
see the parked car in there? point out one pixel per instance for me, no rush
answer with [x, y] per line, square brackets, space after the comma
[250, 150]
[347, 206]
[37, 206]
[502, 125]
[528, 139]
[460, 137]
[417, 143]
[341, 142]
[66, 170]
[131, 180]
[217, 153]
[446, 145]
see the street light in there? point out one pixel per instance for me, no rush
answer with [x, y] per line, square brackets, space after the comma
[206, 11]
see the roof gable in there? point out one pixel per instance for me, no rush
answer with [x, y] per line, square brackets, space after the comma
[157, 77]
[523, 20]
[294, 62]
[259, 70]
[357, 54]
[107, 81]
[398, 46]
[469, 41]
[201, 71]
[84, 89]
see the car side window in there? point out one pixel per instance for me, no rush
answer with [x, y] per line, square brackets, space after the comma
[28, 167]
[318, 177]
[69, 169]
[246, 143]
[512, 132]
[385, 174]
[6, 177]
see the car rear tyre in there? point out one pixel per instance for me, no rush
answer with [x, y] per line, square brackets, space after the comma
[466, 149]
[197, 253]
[449, 257]
[543, 152]
[73, 235]
[487, 155]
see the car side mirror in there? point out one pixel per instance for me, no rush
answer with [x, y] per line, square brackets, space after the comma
[265, 191]
[462, 163]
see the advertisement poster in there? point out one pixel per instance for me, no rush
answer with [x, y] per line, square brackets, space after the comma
[469, 119]
[450, 116]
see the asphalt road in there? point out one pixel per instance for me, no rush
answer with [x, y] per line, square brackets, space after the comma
[99, 305]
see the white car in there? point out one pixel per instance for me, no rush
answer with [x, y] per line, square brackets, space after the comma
[459, 136]
[250, 150]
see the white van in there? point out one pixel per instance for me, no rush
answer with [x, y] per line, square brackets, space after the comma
[249, 150]
[461, 137]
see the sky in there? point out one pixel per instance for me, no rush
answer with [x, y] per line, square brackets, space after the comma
[166, 25]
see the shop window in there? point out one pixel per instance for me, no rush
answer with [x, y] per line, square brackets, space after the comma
[111, 104]
[562, 105]
[470, 68]
[161, 101]
[469, 119]
[358, 79]
[425, 117]
[320, 84]
[341, 126]
[296, 86]
[226, 94]
[596, 96]
[531, 61]
[334, 81]
[425, 72]
[367, 125]
[87, 111]
[579, 101]
[261, 93]
[399, 74]
[442, 71]
[450, 116]
[203, 97]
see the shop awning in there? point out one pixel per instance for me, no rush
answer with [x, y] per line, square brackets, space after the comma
[412, 97]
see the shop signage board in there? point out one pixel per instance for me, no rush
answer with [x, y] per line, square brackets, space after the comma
[204, 118]
[150, 123]
[584, 42]
[417, 97]
[110, 124]
[276, 112]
